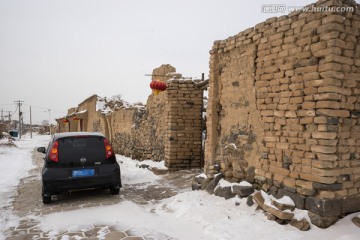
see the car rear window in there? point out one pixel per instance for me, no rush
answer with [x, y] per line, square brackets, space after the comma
[72, 149]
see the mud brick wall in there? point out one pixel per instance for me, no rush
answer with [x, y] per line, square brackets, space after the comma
[143, 138]
[183, 124]
[168, 128]
[284, 108]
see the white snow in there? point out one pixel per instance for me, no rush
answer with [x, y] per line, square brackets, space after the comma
[83, 111]
[187, 215]
[224, 183]
[100, 104]
[153, 164]
[15, 162]
[202, 175]
[286, 201]
[245, 184]
[233, 146]
[268, 199]
[132, 174]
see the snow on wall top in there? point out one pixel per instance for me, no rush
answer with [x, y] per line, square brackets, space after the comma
[108, 105]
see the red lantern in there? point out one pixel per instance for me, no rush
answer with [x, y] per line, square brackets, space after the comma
[157, 86]
[76, 119]
[65, 121]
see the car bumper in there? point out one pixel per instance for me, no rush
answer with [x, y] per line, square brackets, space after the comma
[58, 180]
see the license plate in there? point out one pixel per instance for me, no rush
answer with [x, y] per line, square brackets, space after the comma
[83, 173]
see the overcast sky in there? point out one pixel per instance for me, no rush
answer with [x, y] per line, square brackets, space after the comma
[56, 53]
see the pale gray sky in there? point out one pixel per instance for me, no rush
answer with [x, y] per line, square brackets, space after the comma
[56, 53]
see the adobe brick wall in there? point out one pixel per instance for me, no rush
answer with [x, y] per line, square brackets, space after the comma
[168, 128]
[284, 108]
[183, 141]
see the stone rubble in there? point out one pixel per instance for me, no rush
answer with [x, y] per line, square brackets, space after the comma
[277, 211]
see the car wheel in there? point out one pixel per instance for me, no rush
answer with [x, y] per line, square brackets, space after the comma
[114, 191]
[46, 199]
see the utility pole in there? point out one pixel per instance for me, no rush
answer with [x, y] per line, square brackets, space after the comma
[19, 103]
[49, 110]
[30, 124]
[9, 115]
[2, 115]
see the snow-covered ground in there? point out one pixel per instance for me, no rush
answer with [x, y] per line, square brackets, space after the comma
[187, 215]
[15, 162]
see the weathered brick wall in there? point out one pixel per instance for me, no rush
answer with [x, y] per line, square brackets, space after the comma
[168, 128]
[284, 100]
[143, 136]
[139, 132]
[183, 124]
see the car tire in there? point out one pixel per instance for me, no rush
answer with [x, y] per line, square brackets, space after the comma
[114, 191]
[46, 199]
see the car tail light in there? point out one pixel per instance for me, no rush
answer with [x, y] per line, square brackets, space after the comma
[54, 152]
[108, 149]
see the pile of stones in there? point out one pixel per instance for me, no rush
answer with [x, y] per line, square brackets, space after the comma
[278, 211]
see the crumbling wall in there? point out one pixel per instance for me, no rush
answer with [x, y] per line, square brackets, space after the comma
[167, 128]
[284, 100]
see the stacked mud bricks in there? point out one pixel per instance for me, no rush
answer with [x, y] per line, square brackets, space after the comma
[167, 128]
[183, 124]
[304, 76]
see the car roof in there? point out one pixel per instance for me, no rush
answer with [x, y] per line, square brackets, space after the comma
[77, 134]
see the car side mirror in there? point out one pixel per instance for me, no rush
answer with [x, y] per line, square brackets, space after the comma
[41, 149]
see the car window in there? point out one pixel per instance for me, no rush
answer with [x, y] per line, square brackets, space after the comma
[72, 149]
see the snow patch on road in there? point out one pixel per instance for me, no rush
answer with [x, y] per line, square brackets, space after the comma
[132, 174]
[15, 163]
[124, 215]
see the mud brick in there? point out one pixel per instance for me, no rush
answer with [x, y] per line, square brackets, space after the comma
[319, 51]
[321, 179]
[333, 19]
[329, 35]
[323, 149]
[308, 105]
[324, 135]
[304, 184]
[336, 43]
[327, 96]
[279, 170]
[311, 76]
[327, 157]
[339, 59]
[331, 27]
[322, 164]
[328, 104]
[327, 172]
[311, 25]
[332, 74]
[310, 90]
[326, 194]
[352, 76]
[330, 66]
[318, 46]
[333, 113]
